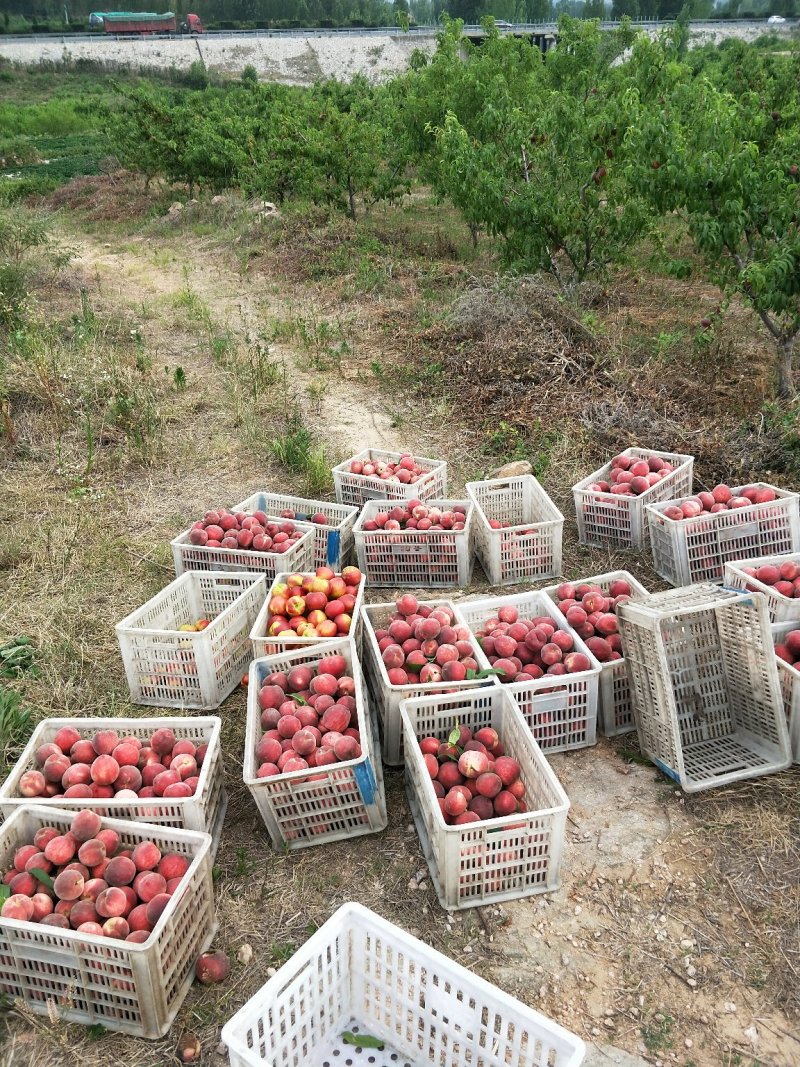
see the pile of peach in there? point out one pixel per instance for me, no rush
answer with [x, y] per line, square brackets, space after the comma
[425, 643]
[630, 476]
[83, 880]
[522, 650]
[472, 778]
[107, 765]
[306, 715]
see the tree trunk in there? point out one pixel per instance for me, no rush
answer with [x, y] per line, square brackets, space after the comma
[785, 379]
[474, 230]
[351, 198]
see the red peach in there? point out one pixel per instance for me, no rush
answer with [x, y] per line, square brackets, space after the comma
[156, 906]
[120, 871]
[163, 741]
[112, 901]
[489, 784]
[68, 885]
[116, 927]
[105, 741]
[42, 905]
[105, 770]
[18, 907]
[507, 769]
[61, 849]
[149, 884]
[82, 911]
[55, 767]
[505, 803]
[32, 784]
[92, 852]
[65, 738]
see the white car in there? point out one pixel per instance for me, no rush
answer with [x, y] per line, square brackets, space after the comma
[774, 19]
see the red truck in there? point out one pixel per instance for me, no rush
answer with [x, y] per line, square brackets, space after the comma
[143, 23]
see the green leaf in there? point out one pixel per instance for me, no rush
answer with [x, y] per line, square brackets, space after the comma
[454, 735]
[298, 699]
[489, 671]
[5, 892]
[42, 876]
[362, 1040]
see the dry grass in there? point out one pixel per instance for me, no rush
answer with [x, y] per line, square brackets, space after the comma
[75, 562]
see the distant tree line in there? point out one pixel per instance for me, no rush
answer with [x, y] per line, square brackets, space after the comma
[19, 16]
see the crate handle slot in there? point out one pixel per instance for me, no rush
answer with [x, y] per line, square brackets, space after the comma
[733, 533]
[365, 780]
[410, 550]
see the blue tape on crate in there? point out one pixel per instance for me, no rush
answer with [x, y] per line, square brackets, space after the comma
[334, 539]
[365, 780]
[668, 771]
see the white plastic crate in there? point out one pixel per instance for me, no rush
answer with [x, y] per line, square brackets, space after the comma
[615, 712]
[689, 551]
[790, 688]
[560, 710]
[264, 645]
[357, 489]
[204, 812]
[333, 542]
[360, 974]
[386, 698]
[781, 608]
[704, 685]
[84, 978]
[530, 548]
[504, 858]
[300, 557]
[608, 519]
[170, 668]
[330, 803]
[419, 559]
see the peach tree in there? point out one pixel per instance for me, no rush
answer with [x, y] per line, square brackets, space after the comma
[533, 149]
[729, 166]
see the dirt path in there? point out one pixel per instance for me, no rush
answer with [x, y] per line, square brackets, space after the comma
[639, 948]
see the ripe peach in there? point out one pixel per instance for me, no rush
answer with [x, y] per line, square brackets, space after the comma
[55, 767]
[120, 871]
[156, 906]
[32, 784]
[177, 789]
[138, 937]
[77, 774]
[42, 836]
[110, 839]
[91, 928]
[23, 882]
[336, 718]
[212, 967]
[80, 868]
[105, 770]
[129, 778]
[116, 927]
[185, 765]
[137, 918]
[288, 725]
[505, 803]
[575, 662]
[68, 885]
[105, 741]
[60, 850]
[466, 817]
[455, 803]
[149, 884]
[482, 807]
[455, 671]
[112, 901]
[82, 911]
[60, 922]
[92, 852]
[42, 905]
[18, 906]
[39, 862]
[472, 764]
[163, 780]
[346, 748]
[507, 769]
[93, 887]
[163, 741]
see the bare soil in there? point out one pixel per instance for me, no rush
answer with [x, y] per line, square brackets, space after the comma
[675, 932]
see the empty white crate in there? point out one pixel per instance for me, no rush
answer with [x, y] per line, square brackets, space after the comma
[704, 685]
[608, 519]
[333, 541]
[415, 558]
[504, 858]
[615, 713]
[530, 548]
[300, 557]
[790, 688]
[170, 668]
[359, 974]
[688, 551]
[357, 489]
[85, 978]
[560, 710]
[386, 698]
[322, 804]
[781, 608]
[205, 811]
[264, 645]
